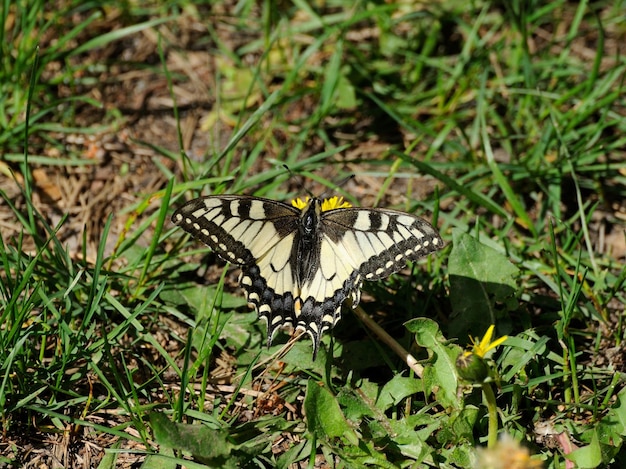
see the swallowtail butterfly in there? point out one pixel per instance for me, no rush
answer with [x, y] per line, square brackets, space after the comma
[300, 262]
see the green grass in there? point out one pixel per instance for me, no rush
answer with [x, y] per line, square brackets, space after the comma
[504, 124]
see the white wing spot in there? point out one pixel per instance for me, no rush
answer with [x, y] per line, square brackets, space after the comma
[257, 210]
[405, 220]
[253, 296]
[384, 222]
[328, 319]
[205, 232]
[363, 221]
[234, 208]
[214, 239]
[196, 227]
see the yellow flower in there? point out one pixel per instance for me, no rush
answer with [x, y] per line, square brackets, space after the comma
[335, 202]
[486, 344]
[327, 204]
[300, 203]
[471, 364]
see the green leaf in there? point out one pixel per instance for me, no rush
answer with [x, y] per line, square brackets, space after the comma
[396, 390]
[345, 93]
[611, 430]
[355, 405]
[482, 286]
[206, 444]
[617, 416]
[588, 456]
[165, 460]
[323, 414]
[408, 441]
[440, 376]
[109, 460]
[460, 427]
[202, 298]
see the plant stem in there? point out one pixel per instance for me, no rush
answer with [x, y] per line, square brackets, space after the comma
[492, 409]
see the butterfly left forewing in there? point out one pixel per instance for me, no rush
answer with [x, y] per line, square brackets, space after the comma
[257, 234]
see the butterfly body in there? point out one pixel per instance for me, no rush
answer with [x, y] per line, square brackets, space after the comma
[300, 262]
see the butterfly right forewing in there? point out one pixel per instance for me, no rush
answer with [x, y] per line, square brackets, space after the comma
[379, 241]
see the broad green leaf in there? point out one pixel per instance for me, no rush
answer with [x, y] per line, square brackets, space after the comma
[408, 440]
[323, 414]
[109, 460]
[440, 375]
[611, 429]
[588, 456]
[396, 390]
[202, 298]
[296, 453]
[345, 93]
[619, 411]
[165, 460]
[209, 445]
[460, 427]
[355, 405]
[482, 286]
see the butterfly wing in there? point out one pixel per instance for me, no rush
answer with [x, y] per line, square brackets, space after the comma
[379, 242]
[290, 279]
[258, 234]
[357, 244]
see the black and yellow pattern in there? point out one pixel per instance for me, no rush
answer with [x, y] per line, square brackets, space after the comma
[301, 261]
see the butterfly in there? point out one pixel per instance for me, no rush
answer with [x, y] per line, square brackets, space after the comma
[299, 262]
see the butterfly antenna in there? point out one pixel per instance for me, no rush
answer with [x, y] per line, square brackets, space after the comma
[298, 182]
[337, 186]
